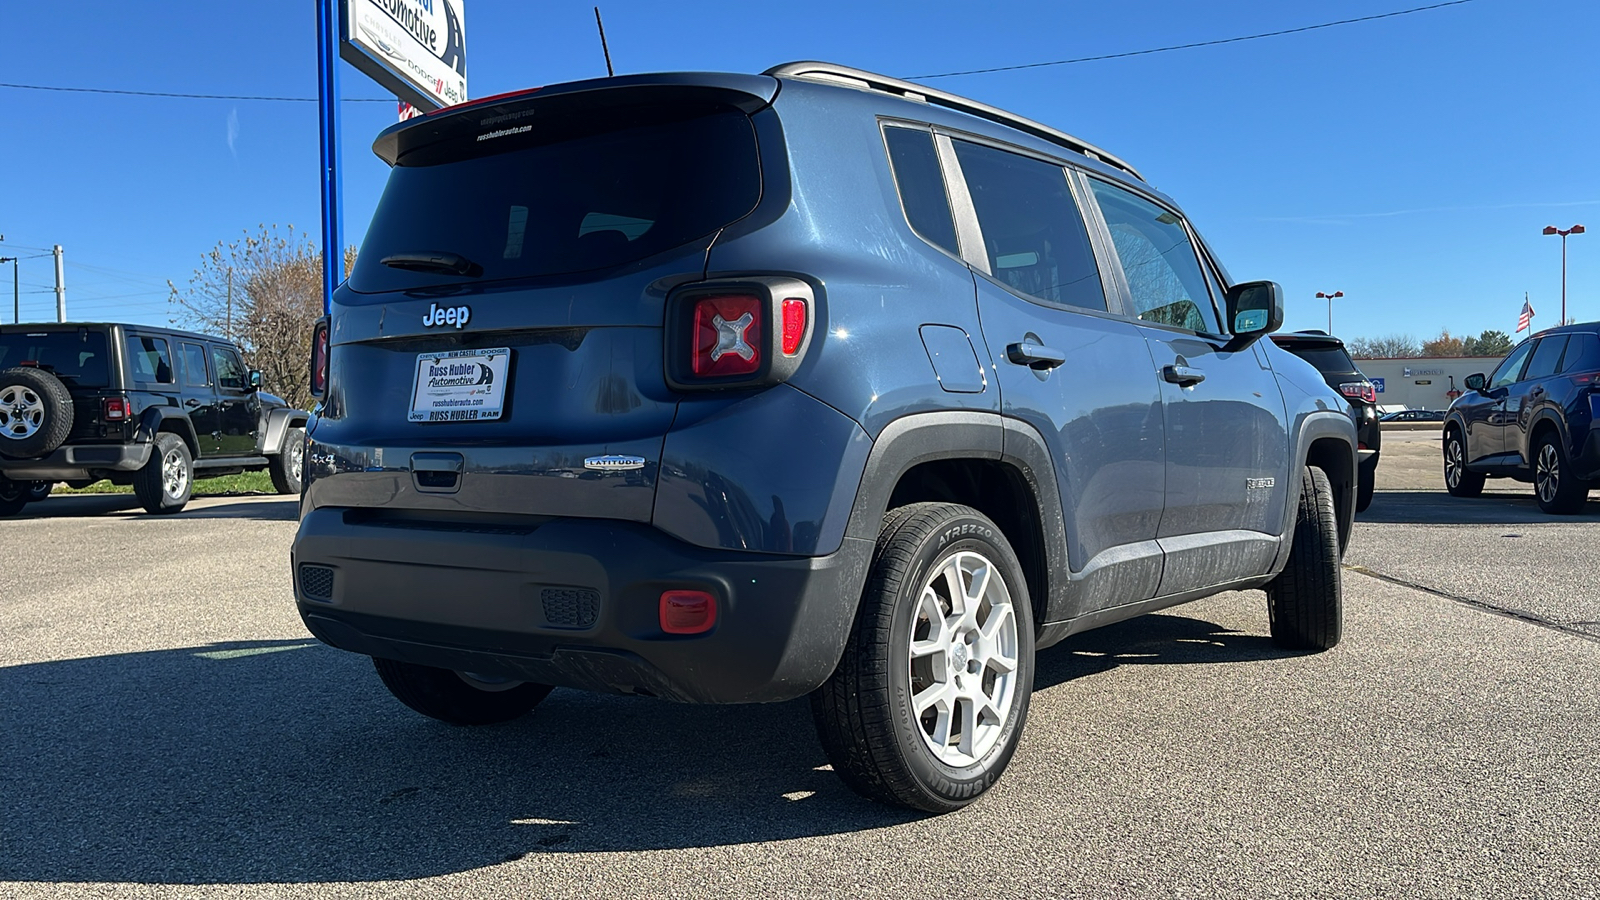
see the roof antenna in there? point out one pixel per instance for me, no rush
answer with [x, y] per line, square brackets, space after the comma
[607, 50]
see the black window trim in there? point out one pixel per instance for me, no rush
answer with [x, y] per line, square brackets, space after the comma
[216, 378]
[884, 124]
[969, 232]
[1195, 246]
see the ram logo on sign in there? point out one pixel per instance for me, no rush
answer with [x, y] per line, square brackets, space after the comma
[415, 48]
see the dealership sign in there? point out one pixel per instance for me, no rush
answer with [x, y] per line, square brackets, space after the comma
[415, 48]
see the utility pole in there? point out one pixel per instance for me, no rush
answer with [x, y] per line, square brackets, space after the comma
[16, 300]
[61, 287]
[227, 328]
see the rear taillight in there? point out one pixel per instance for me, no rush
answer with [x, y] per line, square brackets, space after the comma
[1586, 379]
[727, 335]
[319, 359]
[116, 409]
[1360, 390]
[738, 333]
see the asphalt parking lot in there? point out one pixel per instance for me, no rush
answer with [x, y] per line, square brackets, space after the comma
[168, 728]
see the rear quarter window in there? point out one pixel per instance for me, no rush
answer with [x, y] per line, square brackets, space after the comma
[566, 196]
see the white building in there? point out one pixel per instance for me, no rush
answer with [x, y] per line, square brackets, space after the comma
[1423, 382]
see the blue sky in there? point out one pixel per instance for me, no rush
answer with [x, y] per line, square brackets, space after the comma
[1409, 162]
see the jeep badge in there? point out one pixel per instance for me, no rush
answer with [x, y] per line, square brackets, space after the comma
[453, 315]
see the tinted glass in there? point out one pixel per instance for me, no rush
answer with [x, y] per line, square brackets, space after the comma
[194, 366]
[1583, 354]
[536, 204]
[77, 357]
[230, 372]
[149, 359]
[1032, 230]
[1164, 276]
[1546, 357]
[1326, 357]
[1507, 372]
[921, 185]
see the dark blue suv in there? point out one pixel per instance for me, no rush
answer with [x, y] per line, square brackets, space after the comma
[738, 388]
[1533, 419]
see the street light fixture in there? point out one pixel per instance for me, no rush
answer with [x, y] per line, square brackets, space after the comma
[1330, 299]
[1551, 229]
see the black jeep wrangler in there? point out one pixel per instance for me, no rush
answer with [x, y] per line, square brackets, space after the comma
[142, 406]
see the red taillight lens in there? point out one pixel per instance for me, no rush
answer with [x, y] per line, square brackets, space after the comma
[116, 409]
[319, 360]
[794, 325]
[688, 612]
[1363, 390]
[727, 335]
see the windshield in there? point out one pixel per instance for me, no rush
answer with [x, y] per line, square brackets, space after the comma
[593, 195]
[76, 357]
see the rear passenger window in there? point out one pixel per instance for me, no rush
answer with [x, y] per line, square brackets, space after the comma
[194, 366]
[921, 185]
[1033, 232]
[1163, 272]
[1546, 357]
[149, 359]
[1583, 354]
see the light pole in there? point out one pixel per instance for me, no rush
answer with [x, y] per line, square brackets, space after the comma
[16, 300]
[1551, 229]
[1330, 299]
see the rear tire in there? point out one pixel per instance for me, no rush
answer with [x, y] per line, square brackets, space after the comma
[1458, 479]
[166, 480]
[1306, 601]
[288, 466]
[929, 700]
[458, 698]
[40, 490]
[1558, 491]
[13, 496]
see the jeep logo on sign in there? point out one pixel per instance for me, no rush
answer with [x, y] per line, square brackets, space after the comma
[450, 315]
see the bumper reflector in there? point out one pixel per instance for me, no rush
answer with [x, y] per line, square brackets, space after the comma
[688, 612]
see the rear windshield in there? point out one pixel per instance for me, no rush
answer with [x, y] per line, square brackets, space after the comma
[1326, 357]
[76, 357]
[514, 203]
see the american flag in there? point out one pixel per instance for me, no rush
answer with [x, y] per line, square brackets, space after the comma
[1526, 319]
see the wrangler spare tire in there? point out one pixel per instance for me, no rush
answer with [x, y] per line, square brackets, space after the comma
[35, 412]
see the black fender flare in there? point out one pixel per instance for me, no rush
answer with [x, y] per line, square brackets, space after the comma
[278, 423]
[1546, 414]
[919, 438]
[157, 419]
[1313, 427]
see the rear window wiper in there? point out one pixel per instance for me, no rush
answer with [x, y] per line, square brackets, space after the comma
[434, 261]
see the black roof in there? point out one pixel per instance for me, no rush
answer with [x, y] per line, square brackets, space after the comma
[1306, 337]
[31, 327]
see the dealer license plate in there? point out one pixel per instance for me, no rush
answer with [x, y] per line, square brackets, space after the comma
[460, 385]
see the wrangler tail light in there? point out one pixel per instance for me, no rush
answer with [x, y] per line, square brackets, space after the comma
[116, 409]
[688, 612]
[738, 333]
[319, 359]
[1360, 390]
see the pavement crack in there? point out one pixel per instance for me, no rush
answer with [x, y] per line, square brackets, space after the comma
[1519, 615]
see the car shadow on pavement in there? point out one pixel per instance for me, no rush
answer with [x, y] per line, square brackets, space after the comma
[263, 507]
[287, 762]
[1439, 508]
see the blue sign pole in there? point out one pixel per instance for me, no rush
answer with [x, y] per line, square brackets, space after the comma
[332, 188]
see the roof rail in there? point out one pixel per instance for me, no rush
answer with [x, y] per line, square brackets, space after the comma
[859, 78]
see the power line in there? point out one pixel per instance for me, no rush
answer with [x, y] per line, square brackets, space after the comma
[1231, 40]
[84, 90]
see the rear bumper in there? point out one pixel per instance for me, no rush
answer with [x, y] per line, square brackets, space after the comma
[76, 461]
[575, 603]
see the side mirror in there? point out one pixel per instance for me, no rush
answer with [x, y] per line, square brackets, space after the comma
[1477, 382]
[255, 379]
[1255, 308]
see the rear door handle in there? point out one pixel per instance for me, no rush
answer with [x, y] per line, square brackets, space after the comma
[1183, 376]
[1034, 356]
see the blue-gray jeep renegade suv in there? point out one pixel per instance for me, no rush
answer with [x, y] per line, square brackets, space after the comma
[736, 388]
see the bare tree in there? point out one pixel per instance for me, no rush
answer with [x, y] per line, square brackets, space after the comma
[1393, 346]
[264, 292]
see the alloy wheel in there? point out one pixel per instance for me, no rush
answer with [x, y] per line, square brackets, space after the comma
[1547, 473]
[963, 659]
[21, 412]
[174, 473]
[297, 455]
[1453, 464]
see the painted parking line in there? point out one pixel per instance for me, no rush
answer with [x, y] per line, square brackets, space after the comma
[250, 651]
